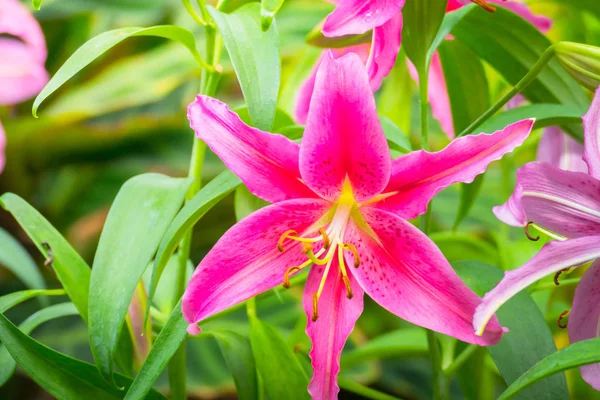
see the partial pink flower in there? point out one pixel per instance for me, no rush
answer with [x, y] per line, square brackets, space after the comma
[340, 205]
[561, 151]
[567, 204]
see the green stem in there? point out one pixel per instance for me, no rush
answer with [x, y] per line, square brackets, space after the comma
[522, 84]
[251, 308]
[440, 382]
[460, 360]
[364, 391]
[424, 106]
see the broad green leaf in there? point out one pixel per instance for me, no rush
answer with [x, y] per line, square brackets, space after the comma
[422, 21]
[468, 195]
[17, 260]
[544, 114]
[245, 203]
[573, 356]
[512, 46]
[282, 119]
[237, 352]
[268, 9]
[255, 58]
[166, 344]
[70, 268]
[276, 363]
[136, 222]
[529, 339]
[61, 376]
[12, 299]
[316, 38]
[187, 217]
[98, 45]
[401, 343]
[397, 140]
[458, 246]
[7, 363]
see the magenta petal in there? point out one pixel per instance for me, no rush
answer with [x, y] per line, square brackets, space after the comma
[343, 138]
[353, 17]
[553, 257]
[591, 127]
[384, 50]
[265, 162]
[564, 202]
[16, 20]
[246, 261]
[418, 176]
[561, 151]
[512, 212]
[409, 276]
[21, 75]
[337, 316]
[541, 22]
[305, 94]
[584, 320]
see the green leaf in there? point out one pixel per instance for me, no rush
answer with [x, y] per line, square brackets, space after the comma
[282, 119]
[12, 299]
[245, 203]
[283, 367]
[136, 222]
[255, 58]
[7, 363]
[458, 246]
[237, 352]
[397, 140]
[189, 215]
[468, 194]
[36, 4]
[395, 99]
[70, 268]
[268, 9]
[317, 39]
[100, 44]
[573, 356]
[17, 260]
[166, 344]
[61, 376]
[422, 21]
[544, 114]
[529, 339]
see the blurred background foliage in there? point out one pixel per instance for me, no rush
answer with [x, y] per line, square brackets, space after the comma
[125, 114]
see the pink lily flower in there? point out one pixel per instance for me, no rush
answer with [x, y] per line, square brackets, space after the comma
[566, 203]
[23, 53]
[340, 203]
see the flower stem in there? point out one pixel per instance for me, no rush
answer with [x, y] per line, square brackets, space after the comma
[424, 106]
[522, 84]
[440, 381]
[364, 391]
[460, 360]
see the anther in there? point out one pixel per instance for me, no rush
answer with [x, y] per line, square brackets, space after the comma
[50, 260]
[315, 315]
[352, 248]
[533, 239]
[286, 276]
[291, 232]
[558, 274]
[561, 317]
[349, 293]
[483, 4]
[307, 249]
[326, 241]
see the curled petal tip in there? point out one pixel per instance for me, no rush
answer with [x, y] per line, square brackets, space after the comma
[193, 329]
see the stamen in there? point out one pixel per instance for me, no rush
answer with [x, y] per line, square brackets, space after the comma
[291, 232]
[350, 246]
[560, 318]
[559, 273]
[326, 241]
[533, 239]
[349, 293]
[311, 256]
[315, 315]
[484, 5]
[286, 276]
[345, 278]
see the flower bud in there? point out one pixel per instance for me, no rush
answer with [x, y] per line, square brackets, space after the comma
[581, 61]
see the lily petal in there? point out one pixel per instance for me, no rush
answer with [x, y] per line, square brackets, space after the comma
[418, 176]
[564, 202]
[2, 148]
[584, 320]
[387, 39]
[336, 318]
[245, 261]
[553, 257]
[21, 75]
[561, 151]
[354, 17]
[16, 20]
[343, 136]
[267, 163]
[403, 271]
[591, 125]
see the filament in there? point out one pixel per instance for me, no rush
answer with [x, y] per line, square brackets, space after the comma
[352, 248]
[563, 315]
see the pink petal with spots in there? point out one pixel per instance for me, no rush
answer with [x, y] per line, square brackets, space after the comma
[353, 17]
[328, 334]
[564, 202]
[404, 271]
[561, 151]
[584, 320]
[343, 138]
[16, 20]
[265, 162]
[21, 76]
[245, 261]
[591, 127]
[553, 257]
[418, 176]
